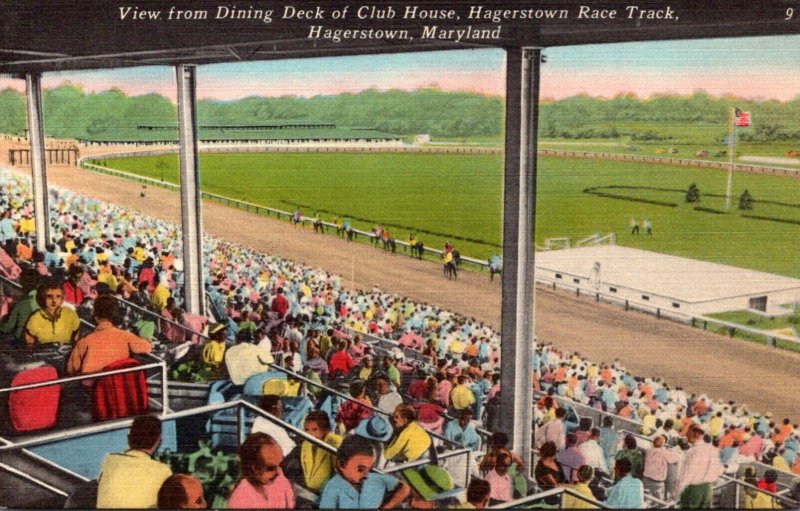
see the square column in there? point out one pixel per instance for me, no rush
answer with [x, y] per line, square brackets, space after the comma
[519, 188]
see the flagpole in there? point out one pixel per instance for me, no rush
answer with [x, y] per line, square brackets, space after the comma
[732, 149]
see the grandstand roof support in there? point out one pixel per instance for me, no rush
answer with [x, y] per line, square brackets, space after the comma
[516, 323]
[191, 213]
[33, 86]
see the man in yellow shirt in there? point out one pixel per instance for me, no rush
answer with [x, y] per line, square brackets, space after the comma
[410, 440]
[51, 323]
[132, 479]
[461, 397]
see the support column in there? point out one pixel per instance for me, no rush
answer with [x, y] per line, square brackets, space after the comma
[522, 99]
[41, 210]
[191, 215]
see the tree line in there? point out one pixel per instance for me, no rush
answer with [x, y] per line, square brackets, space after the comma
[70, 112]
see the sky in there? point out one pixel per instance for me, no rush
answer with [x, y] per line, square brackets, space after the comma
[752, 67]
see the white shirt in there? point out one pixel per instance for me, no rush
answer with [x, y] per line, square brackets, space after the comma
[244, 360]
[701, 465]
[388, 402]
[594, 455]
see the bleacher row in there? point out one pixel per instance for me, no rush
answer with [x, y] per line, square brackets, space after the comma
[421, 341]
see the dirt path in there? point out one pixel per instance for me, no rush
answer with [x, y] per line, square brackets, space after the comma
[765, 379]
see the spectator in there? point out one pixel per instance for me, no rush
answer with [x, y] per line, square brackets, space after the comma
[388, 399]
[627, 492]
[244, 360]
[763, 499]
[584, 475]
[354, 486]
[72, 293]
[246, 325]
[280, 305]
[547, 472]
[340, 362]
[316, 462]
[656, 465]
[498, 443]
[554, 431]
[352, 412]
[478, 491]
[591, 450]
[410, 440]
[261, 484]
[701, 467]
[181, 491]
[630, 452]
[356, 350]
[365, 368]
[571, 459]
[315, 363]
[608, 439]
[499, 479]
[13, 324]
[390, 369]
[461, 397]
[462, 431]
[431, 487]
[106, 344]
[51, 323]
[271, 404]
[133, 479]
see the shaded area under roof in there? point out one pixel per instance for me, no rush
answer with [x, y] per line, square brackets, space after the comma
[42, 35]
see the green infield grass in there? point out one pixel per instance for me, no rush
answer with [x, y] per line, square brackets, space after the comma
[458, 197]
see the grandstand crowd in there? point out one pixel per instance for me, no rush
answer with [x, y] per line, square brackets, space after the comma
[389, 408]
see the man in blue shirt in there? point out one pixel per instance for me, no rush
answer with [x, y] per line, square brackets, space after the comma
[628, 493]
[462, 431]
[354, 486]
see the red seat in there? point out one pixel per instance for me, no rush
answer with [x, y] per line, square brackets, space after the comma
[34, 409]
[120, 395]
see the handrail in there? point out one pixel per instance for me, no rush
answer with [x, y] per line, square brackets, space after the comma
[159, 318]
[34, 480]
[79, 378]
[350, 398]
[560, 491]
[299, 432]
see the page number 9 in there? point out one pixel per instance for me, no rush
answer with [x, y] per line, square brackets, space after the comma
[789, 13]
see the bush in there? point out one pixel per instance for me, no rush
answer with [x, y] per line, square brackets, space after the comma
[745, 201]
[693, 193]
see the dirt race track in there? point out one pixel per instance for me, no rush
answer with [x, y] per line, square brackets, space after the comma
[766, 379]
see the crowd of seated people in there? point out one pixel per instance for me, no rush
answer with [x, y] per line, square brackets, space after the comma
[275, 311]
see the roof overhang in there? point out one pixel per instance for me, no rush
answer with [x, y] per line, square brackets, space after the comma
[43, 36]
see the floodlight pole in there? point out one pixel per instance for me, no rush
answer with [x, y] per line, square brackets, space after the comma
[191, 214]
[41, 209]
[732, 149]
[519, 187]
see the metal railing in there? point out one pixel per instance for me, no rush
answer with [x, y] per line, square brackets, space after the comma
[559, 492]
[327, 389]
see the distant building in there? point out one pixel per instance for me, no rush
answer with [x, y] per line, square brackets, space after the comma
[422, 138]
